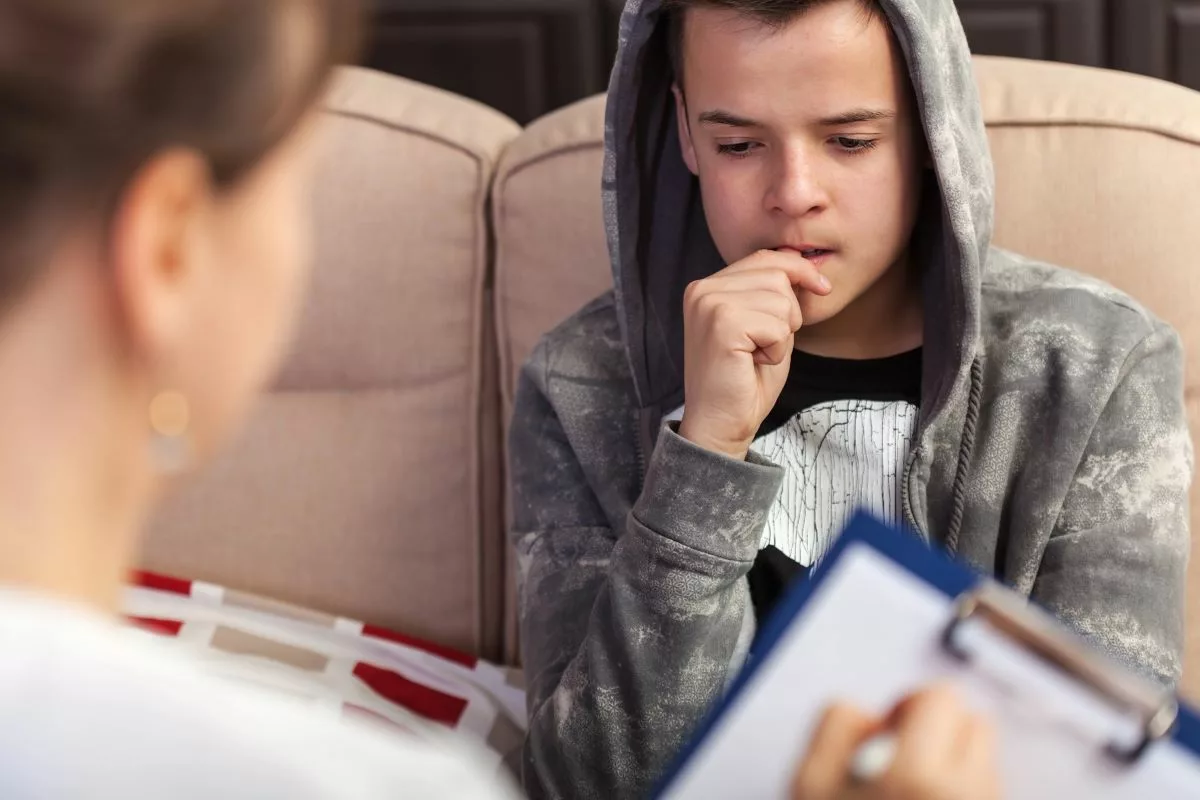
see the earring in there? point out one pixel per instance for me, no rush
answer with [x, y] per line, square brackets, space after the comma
[170, 418]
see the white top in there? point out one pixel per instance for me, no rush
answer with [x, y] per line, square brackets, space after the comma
[91, 710]
[837, 457]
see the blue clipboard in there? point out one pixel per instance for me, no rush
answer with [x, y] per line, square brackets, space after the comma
[935, 568]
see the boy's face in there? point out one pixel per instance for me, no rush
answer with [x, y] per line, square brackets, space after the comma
[804, 137]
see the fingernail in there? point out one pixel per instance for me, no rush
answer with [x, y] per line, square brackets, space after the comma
[825, 284]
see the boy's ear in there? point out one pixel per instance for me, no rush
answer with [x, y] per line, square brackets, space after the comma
[684, 126]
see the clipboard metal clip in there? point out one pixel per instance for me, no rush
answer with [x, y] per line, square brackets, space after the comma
[1156, 709]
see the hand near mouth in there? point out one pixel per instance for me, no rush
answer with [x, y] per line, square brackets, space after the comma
[739, 331]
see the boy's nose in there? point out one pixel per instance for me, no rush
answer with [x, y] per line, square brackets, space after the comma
[796, 190]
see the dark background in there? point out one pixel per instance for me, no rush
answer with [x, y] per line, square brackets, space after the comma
[528, 57]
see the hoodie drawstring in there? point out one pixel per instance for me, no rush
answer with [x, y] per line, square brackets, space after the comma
[959, 490]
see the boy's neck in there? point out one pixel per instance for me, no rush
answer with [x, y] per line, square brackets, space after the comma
[886, 320]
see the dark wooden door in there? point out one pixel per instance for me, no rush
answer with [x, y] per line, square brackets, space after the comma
[1159, 38]
[529, 57]
[1074, 31]
[523, 57]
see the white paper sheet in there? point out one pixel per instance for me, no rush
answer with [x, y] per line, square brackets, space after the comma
[871, 635]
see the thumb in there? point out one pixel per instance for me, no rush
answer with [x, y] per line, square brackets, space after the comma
[775, 354]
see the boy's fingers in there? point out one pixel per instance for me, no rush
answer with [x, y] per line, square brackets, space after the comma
[761, 282]
[800, 271]
[765, 332]
[776, 354]
[770, 279]
[720, 309]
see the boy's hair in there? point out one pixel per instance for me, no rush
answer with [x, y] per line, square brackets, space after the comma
[92, 90]
[773, 13]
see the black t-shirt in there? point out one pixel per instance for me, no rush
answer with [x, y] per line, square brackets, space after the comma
[814, 380]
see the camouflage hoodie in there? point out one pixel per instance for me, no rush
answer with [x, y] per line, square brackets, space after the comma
[1051, 449]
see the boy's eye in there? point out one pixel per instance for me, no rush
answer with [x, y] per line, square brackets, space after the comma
[852, 145]
[737, 149]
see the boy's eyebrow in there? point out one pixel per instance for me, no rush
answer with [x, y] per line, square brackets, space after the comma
[856, 116]
[719, 117]
[851, 117]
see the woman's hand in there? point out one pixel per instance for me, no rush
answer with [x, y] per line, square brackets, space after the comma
[944, 751]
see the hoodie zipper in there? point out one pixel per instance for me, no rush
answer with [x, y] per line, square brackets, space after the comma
[644, 442]
[641, 461]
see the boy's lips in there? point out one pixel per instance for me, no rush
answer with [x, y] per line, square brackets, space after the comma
[817, 255]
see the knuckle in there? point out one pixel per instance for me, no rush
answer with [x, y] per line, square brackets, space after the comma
[721, 316]
[706, 304]
[785, 305]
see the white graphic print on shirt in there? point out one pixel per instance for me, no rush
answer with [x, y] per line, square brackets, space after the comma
[838, 457]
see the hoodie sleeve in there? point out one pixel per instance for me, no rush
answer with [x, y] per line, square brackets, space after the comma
[628, 633]
[1116, 562]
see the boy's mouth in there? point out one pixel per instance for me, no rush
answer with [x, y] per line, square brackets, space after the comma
[813, 254]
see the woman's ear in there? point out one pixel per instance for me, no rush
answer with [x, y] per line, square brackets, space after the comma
[156, 251]
[684, 127]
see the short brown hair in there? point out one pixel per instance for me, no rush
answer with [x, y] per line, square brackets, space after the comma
[773, 13]
[90, 90]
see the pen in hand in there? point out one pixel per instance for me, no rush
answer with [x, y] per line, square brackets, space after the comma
[930, 745]
[873, 758]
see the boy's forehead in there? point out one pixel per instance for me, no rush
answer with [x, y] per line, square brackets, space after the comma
[826, 60]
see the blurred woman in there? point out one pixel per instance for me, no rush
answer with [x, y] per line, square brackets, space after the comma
[154, 167]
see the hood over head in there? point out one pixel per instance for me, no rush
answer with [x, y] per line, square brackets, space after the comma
[658, 237]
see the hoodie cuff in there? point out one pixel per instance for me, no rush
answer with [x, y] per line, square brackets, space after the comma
[706, 500]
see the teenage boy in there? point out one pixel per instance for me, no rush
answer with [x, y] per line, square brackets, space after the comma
[808, 318]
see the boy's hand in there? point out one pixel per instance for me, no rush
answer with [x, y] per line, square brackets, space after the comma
[739, 329]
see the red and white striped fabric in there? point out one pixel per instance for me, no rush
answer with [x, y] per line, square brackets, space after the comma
[339, 666]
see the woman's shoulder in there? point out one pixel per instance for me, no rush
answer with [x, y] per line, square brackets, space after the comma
[126, 718]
